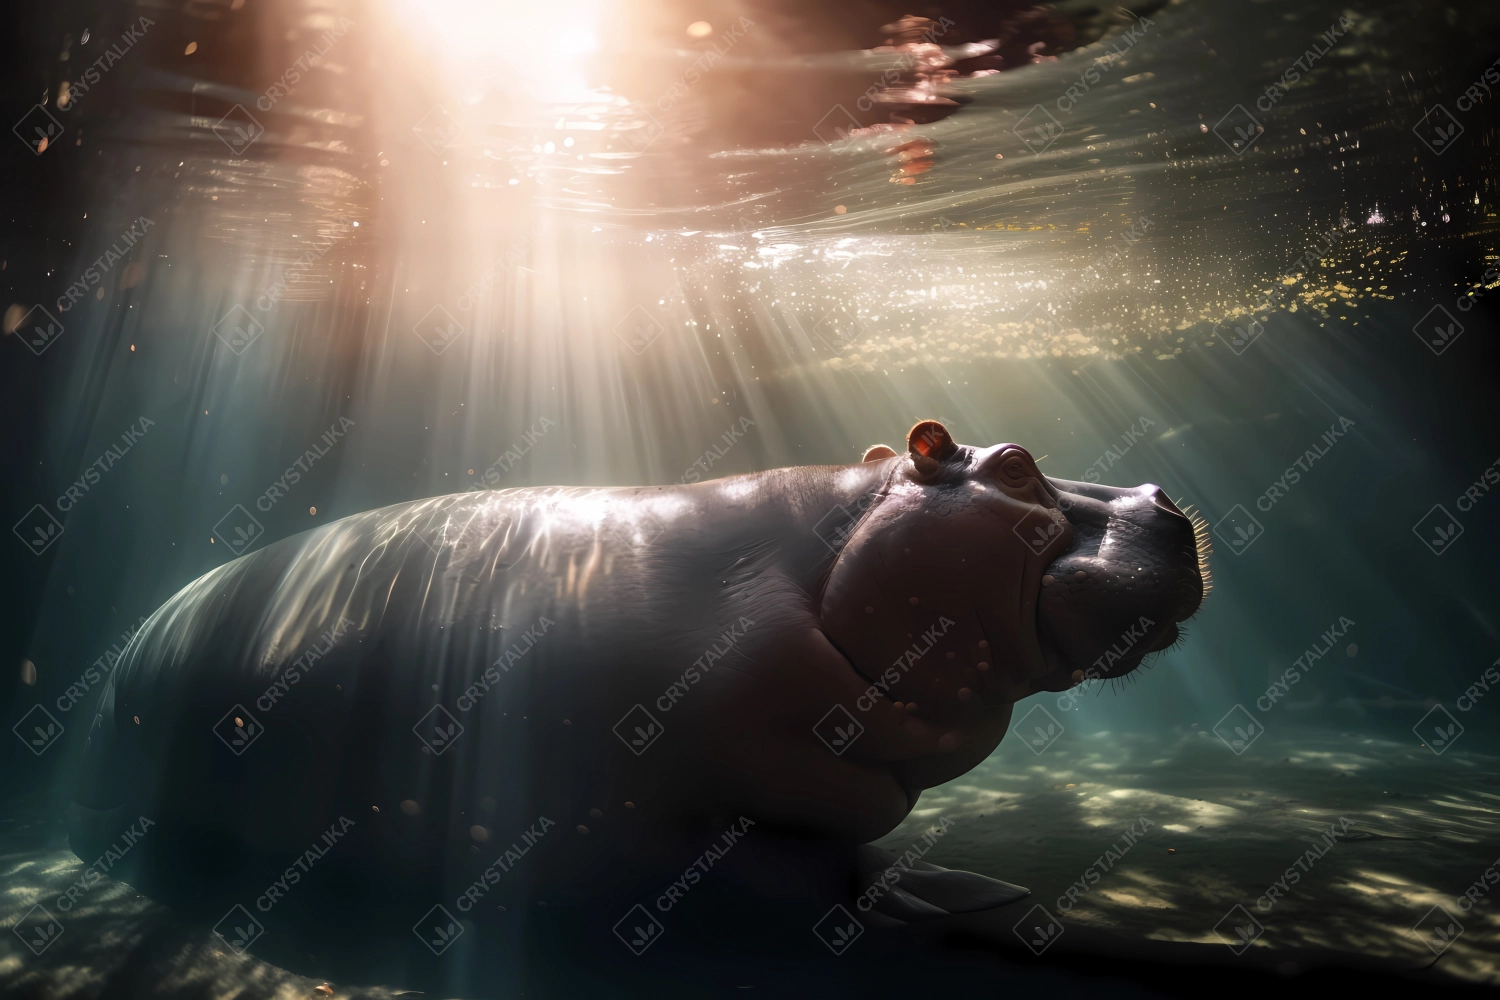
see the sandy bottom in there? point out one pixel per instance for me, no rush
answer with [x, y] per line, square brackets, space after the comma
[1210, 831]
[1415, 831]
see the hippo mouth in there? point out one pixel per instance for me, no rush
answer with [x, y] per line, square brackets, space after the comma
[1138, 568]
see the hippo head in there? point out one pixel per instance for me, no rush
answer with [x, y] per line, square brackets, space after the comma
[973, 581]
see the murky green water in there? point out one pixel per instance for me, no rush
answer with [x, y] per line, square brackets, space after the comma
[427, 269]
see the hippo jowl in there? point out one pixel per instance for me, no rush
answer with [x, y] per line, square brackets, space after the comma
[809, 647]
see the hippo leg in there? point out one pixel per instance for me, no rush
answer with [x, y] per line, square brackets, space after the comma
[926, 892]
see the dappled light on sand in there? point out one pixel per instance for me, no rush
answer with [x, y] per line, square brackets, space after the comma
[1234, 825]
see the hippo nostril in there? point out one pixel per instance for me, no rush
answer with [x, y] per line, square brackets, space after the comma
[1163, 502]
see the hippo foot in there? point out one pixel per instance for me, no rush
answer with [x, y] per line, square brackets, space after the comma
[920, 891]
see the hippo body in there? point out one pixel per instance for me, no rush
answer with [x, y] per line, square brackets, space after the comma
[531, 684]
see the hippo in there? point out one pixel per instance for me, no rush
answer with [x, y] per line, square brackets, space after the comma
[517, 689]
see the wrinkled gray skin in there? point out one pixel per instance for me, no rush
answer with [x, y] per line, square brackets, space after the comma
[791, 590]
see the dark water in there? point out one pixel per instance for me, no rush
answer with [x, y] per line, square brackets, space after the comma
[447, 258]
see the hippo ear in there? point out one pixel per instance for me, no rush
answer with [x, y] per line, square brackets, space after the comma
[931, 439]
[879, 453]
[930, 445]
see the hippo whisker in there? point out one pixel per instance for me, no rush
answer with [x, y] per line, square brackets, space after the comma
[1203, 542]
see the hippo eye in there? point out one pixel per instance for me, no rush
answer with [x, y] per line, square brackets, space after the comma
[1016, 467]
[1010, 465]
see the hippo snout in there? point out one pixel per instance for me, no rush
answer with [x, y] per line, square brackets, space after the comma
[1137, 568]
